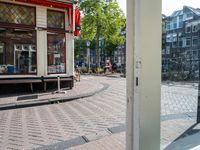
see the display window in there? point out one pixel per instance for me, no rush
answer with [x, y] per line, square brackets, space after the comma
[17, 51]
[56, 53]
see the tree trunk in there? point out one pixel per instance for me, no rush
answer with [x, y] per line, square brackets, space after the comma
[97, 51]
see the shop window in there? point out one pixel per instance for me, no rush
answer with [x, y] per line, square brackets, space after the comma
[56, 53]
[55, 19]
[17, 14]
[17, 51]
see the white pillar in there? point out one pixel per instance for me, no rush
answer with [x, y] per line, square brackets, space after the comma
[69, 54]
[144, 65]
[41, 22]
[42, 53]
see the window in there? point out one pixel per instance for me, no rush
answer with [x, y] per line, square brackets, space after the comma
[189, 15]
[167, 26]
[195, 28]
[188, 29]
[181, 17]
[195, 41]
[17, 14]
[195, 55]
[180, 24]
[163, 51]
[174, 25]
[180, 43]
[17, 51]
[55, 19]
[167, 50]
[56, 53]
[174, 44]
[168, 38]
[174, 38]
[188, 42]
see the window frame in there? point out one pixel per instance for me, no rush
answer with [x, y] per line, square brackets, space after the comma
[56, 29]
[18, 26]
[65, 57]
[27, 73]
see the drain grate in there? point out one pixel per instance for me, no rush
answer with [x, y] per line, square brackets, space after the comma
[27, 97]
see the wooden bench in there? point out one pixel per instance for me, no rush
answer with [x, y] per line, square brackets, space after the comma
[55, 79]
[30, 81]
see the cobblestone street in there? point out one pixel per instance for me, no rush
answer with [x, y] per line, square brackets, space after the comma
[33, 127]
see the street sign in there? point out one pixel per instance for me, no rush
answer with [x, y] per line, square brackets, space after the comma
[88, 43]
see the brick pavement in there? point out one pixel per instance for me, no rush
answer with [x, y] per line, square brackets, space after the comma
[40, 126]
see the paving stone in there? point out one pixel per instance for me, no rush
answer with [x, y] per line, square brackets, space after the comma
[41, 126]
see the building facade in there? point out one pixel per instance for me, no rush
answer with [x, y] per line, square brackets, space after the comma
[36, 41]
[120, 54]
[181, 44]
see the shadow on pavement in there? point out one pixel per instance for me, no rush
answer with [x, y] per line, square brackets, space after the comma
[188, 140]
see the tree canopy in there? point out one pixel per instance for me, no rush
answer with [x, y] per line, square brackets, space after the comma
[102, 19]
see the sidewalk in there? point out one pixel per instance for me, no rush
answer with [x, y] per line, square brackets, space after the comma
[85, 88]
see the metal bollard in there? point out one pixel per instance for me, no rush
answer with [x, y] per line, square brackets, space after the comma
[58, 83]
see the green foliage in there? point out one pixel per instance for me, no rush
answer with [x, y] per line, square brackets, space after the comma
[80, 45]
[103, 18]
[109, 48]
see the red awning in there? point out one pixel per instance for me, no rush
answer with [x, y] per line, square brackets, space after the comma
[47, 3]
[77, 22]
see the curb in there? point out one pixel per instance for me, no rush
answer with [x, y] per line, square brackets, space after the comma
[50, 101]
[80, 140]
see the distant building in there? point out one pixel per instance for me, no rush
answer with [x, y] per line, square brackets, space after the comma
[181, 43]
[120, 53]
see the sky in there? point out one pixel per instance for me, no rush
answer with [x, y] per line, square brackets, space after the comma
[122, 4]
[168, 6]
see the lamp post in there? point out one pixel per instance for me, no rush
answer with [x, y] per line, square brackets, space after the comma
[88, 55]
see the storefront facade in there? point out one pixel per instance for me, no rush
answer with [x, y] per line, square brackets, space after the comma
[36, 40]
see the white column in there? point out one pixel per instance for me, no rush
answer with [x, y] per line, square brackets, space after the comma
[144, 65]
[69, 54]
[41, 22]
[41, 53]
[69, 49]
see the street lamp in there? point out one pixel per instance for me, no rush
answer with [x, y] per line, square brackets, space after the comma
[88, 55]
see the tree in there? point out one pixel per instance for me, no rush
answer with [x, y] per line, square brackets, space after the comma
[102, 19]
[79, 46]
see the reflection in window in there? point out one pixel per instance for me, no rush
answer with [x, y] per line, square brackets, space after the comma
[55, 19]
[17, 14]
[17, 51]
[56, 53]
